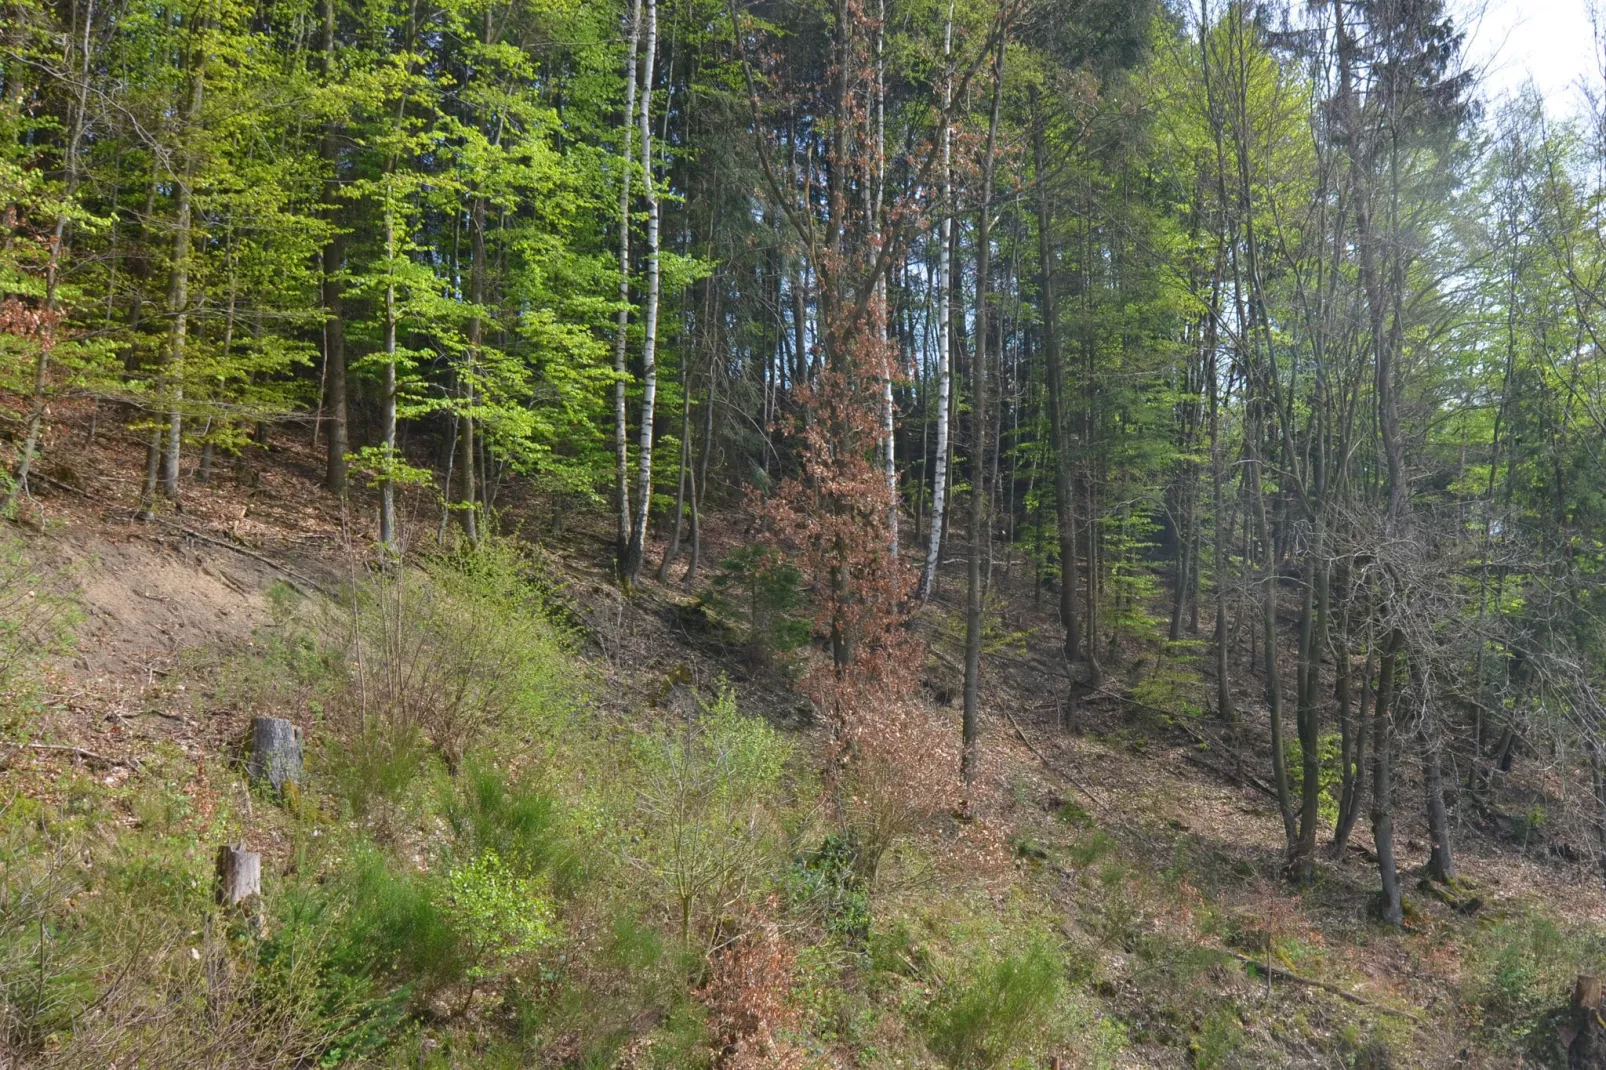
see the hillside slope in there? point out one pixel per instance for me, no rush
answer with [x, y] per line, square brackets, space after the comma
[1111, 894]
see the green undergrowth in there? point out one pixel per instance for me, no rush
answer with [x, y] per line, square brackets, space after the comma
[479, 869]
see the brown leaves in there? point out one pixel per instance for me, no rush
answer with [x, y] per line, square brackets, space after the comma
[748, 996]
[27, 320]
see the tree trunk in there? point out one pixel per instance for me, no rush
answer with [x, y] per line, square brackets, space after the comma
[621, 422]
[1308, 722]
[178, 299]
[979, 529]
[649, 347]
[699, 481]
[239, 875]
[334, 328]
[1353, 747]
[387, 485]
[945, 363]
[672, 551]
[58, 238]
[1598, 772]
[1064, 492]
[1390, 907]
[1441, 858]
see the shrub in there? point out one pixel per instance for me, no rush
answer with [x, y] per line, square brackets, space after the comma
[375, 767]
[894, 766]
[521, 824]
[389, 923]
[705, 829]
[1001, 1007]
[759, 581]
[461, 650]
[496, 915]
[1175, 684]
[112, 953]
[749, 997]
[1520, 971]
[828, 880]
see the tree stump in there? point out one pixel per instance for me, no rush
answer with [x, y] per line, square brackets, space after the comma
[275, 752]
[239, 875]
[1586, 1048]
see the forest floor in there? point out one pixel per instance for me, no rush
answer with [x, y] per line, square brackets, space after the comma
[1162, 864]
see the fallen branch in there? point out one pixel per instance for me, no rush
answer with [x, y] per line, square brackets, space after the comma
[1244, 778]
[1072, 781]
[1281, 974]
[247, 552]
[87, 755]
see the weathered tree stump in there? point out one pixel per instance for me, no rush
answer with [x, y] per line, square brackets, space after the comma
[1586, 1047]
[239, 874]
[275, 752]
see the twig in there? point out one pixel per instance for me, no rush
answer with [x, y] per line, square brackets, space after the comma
[1342, 993]
[87, 755]
[1072, 781]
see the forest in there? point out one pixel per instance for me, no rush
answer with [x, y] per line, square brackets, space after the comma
[1228, 374]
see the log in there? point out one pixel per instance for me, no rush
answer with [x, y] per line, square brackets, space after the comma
[239, 874]
[275, 752]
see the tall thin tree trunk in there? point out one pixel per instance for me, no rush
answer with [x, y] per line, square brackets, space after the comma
[979, 525]
[672, 551]
[58, 238]
[888, 409]
[178, 294]
[1308, 725]
[945, 363]
[1441, 857]
[467, 502]
[621, 339]
[387, 486]
[699, 479]
[334, 329]
[1353, 747]
[1064, 490]
[649, 347]
[1390, 907]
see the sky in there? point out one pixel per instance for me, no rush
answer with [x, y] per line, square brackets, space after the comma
[1550, 41]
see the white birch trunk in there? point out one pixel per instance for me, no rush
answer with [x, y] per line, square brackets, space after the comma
[387, 486]
[939, 485]
[621, 424]
[649, 354]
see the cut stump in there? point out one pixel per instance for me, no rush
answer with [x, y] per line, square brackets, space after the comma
[275, 752]
[239, 874]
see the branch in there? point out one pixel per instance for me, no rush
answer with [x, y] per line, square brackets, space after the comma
[1344, 994]
[87, 755]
